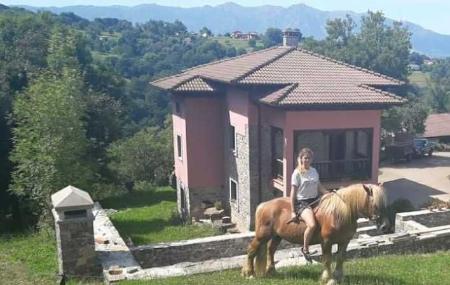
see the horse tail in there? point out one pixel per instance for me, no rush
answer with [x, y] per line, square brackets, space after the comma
[261, 259]
[261, 251]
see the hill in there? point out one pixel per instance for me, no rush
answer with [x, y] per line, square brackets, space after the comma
[229, 17]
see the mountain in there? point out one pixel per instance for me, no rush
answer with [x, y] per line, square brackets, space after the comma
[230, 17]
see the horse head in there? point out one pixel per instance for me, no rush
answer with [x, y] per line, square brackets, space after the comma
[376, 206]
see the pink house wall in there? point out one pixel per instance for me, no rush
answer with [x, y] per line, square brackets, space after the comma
[179, 128]
[314, 120]
[205, 141]
[238, 107]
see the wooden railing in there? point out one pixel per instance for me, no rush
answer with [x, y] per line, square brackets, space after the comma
[336, 170]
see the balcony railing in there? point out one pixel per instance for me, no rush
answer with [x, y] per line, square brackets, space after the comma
[277, 169]
[337, 170]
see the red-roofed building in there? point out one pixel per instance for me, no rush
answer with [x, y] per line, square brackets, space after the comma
[239, 123]
[437, 126]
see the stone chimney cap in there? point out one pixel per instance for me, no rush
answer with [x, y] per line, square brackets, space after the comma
[71, 198]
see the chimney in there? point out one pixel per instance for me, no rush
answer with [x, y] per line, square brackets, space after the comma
[291, 37]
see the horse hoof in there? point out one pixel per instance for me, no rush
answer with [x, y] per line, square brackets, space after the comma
[270, 271]
[332, 282]
[247, 274]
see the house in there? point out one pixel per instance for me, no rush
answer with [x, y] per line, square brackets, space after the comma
[244, 36]
[239, 123]
[437, 127]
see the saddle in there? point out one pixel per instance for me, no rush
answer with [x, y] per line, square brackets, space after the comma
[297, 219]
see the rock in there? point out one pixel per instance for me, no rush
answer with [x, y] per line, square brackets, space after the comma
[226, 219]
[101, 240]
[132, 270]
[213, 213]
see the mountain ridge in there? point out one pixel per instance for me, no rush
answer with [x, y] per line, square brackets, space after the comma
[228, 17]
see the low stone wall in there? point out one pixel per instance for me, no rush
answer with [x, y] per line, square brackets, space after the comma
[425, 218]
[194, 250]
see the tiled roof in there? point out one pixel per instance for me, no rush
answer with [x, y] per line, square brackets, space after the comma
[196, 84]
[304, 78]
[227, 70]
[437, 125]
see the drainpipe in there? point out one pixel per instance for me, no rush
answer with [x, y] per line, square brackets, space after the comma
[259, 155]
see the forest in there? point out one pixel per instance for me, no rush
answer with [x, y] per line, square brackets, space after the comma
[76, 106]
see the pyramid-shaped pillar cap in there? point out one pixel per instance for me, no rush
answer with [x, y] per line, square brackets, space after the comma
[71, 198]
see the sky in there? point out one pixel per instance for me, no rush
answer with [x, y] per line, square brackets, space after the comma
[430, 14]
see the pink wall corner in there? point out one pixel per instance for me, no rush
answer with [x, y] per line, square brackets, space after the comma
[179, 128]
[205, 141]
[238, 107]
[316, 120]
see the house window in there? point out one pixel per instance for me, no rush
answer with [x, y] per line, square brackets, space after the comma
[177, 107]
[179, 147]
[232, 138]
[339, 155]
[233, 190]
[277, 152]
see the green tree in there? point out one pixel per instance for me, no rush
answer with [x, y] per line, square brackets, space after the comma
[50, 143]
[145, 157]
[272, 37]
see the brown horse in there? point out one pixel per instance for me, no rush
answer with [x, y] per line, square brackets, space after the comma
[336, 215]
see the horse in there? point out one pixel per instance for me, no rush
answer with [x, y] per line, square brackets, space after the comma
[336, 215]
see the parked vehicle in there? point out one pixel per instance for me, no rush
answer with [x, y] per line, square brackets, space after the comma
[398, 147]
[422, 147]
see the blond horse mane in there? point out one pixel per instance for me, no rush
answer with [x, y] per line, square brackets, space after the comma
[347, 202]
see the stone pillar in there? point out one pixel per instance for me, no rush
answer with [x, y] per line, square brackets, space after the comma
[72, 210]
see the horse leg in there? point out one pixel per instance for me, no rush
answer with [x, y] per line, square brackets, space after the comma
[248, 270]
[272, 247]
[326, 258]
[339, 272]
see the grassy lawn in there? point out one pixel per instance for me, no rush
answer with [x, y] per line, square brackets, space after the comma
[148, 216]
[418, 78]
[429, 269]
[31, 259]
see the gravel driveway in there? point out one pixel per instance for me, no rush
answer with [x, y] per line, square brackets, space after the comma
[419, 179]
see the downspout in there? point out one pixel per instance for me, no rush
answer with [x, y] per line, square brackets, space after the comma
[259, 155]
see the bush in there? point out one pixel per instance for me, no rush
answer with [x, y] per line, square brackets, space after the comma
[434, 203]
[218, 205]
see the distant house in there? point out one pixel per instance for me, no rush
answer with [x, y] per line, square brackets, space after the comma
[244, 36]
[239, 123]
[437, 127]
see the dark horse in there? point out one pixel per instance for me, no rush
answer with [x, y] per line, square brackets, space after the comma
[336, 215]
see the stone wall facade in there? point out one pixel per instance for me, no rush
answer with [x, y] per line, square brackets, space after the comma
[238, 169]
[195, 250]
[75, 247]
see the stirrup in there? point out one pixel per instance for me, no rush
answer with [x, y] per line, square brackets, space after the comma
[307, 255]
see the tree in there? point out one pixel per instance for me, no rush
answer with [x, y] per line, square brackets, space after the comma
[205, 32]
[252, 43]
[49, 137]
[272, 37]
[145, 157]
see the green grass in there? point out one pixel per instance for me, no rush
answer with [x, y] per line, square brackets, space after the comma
[418, 78]
[31, 259]
[426, 269]
[147, 216]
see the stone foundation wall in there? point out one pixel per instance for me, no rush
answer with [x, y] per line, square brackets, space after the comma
[425, 218]
[239, 171]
